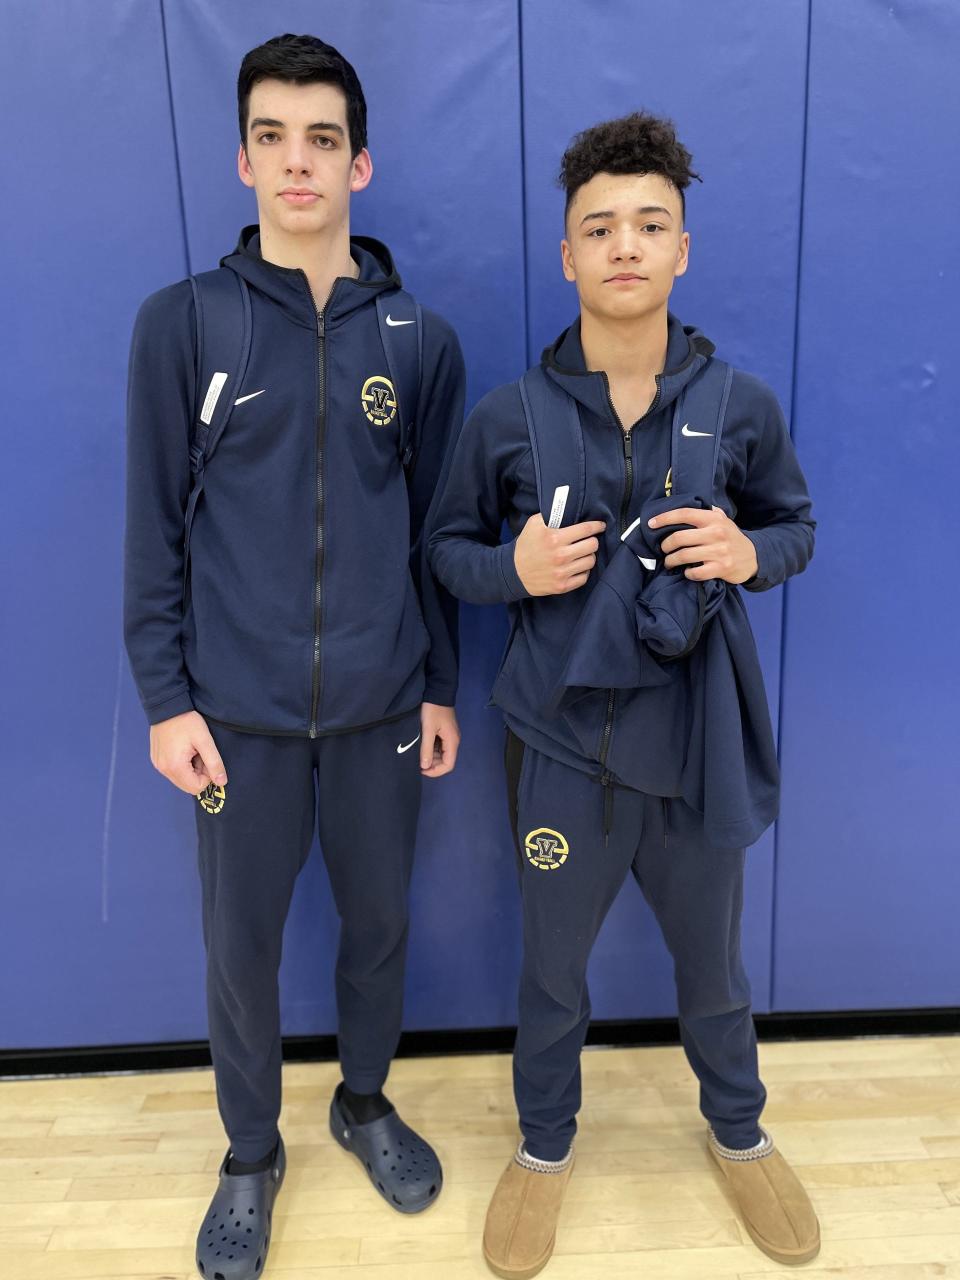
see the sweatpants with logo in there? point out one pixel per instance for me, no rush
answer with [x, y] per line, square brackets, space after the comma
[363, 794]
[569, 877]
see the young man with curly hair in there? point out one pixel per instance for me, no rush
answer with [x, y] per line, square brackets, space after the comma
[284, 630]
[638, 737]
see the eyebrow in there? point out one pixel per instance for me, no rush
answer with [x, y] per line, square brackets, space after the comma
[331, 125]
[608, 213]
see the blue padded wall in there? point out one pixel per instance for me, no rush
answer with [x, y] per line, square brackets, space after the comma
[606, 59]
[869, 847]
[99, 940]
[471, 105]
[437, 188]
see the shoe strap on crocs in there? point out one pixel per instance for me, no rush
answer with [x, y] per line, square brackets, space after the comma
[526, 1161]
[763, 1148]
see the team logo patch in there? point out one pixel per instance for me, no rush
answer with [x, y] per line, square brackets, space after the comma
[212, 798]
[668, 483]
[546, 849]
[379, 400]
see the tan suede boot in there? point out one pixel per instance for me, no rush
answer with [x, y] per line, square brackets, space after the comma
[521, 1224]
[773, 1205]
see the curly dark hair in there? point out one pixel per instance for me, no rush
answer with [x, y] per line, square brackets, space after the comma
[637, 143]
[303, 60]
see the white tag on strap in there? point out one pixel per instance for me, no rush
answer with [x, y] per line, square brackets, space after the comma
[212, 396]
[560, 495]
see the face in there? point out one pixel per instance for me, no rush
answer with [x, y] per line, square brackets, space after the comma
[297, 158]
[625, 244]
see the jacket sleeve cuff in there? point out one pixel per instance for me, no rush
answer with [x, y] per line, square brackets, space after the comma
[759, 581]
[514, 589]
[440, 694]
[166, 710]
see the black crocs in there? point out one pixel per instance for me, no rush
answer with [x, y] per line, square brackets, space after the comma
[235, 1234]
[402, 1167]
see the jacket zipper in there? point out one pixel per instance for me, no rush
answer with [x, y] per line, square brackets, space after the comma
[318, 578]
[627, 438]
[321, 431]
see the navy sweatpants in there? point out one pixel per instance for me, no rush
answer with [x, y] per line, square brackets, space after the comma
[569, 878]
[364, 794]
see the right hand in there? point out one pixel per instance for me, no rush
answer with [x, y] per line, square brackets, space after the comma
[551, 562]
[183, 750]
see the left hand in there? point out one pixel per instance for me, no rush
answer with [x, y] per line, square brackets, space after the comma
[715, 545]
[439, 741]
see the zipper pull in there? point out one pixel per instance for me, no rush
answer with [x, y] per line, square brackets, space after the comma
[319, 324]
[628, 445]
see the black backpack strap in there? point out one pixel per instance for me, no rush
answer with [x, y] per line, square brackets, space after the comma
[221, 301]
[401, 334]
[697, 428]
[552, 416]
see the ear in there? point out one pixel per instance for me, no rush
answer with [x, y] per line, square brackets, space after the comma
[683, 255]
[361, 171]
[566, 258]
[243, 167]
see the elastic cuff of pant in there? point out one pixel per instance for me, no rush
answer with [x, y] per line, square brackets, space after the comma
[251, 1151]
[548, 1149]
[738, 1139]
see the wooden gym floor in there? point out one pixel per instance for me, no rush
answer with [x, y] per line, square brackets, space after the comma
[108, 1176]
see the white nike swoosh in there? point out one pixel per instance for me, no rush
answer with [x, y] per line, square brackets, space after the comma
[393, 323]
[252, 396]
[401, 750]
[687, 432]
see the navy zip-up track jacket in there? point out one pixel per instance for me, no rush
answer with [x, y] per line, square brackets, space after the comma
[491, 478]
[309, 608]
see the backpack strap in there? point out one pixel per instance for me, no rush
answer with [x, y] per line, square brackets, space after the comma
[221, 302]
[697, 427]
[401, 333]
[560, 469]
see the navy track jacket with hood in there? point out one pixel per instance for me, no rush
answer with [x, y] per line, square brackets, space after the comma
[309, 607]
[609, 732]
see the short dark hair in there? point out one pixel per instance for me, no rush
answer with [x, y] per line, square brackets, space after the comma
[638, 143]
[303, 60]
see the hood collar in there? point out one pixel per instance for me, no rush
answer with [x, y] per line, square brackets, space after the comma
[687, 352]
[288, 288]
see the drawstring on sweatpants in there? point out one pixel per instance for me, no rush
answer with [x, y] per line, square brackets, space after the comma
[665, 820]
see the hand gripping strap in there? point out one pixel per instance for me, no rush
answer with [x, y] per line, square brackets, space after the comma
[556, 438]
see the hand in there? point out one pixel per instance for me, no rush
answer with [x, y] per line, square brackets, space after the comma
[439, 739]
[551, 562]
[714, 545]
[182, 749]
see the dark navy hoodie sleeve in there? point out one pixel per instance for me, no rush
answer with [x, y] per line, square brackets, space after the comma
[465, 548]
[773, 504]
[442, 393]
[159, 394]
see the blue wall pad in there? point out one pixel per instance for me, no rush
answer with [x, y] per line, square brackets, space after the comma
[869, 869]
[732, 78]
[442, 88]
[94, 917]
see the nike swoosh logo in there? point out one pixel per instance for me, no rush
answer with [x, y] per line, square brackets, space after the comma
[393, 323]
[252, 396]
[401, 750]
[687, 432]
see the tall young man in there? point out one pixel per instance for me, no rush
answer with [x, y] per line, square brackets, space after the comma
[638, 738]
[300, 648]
